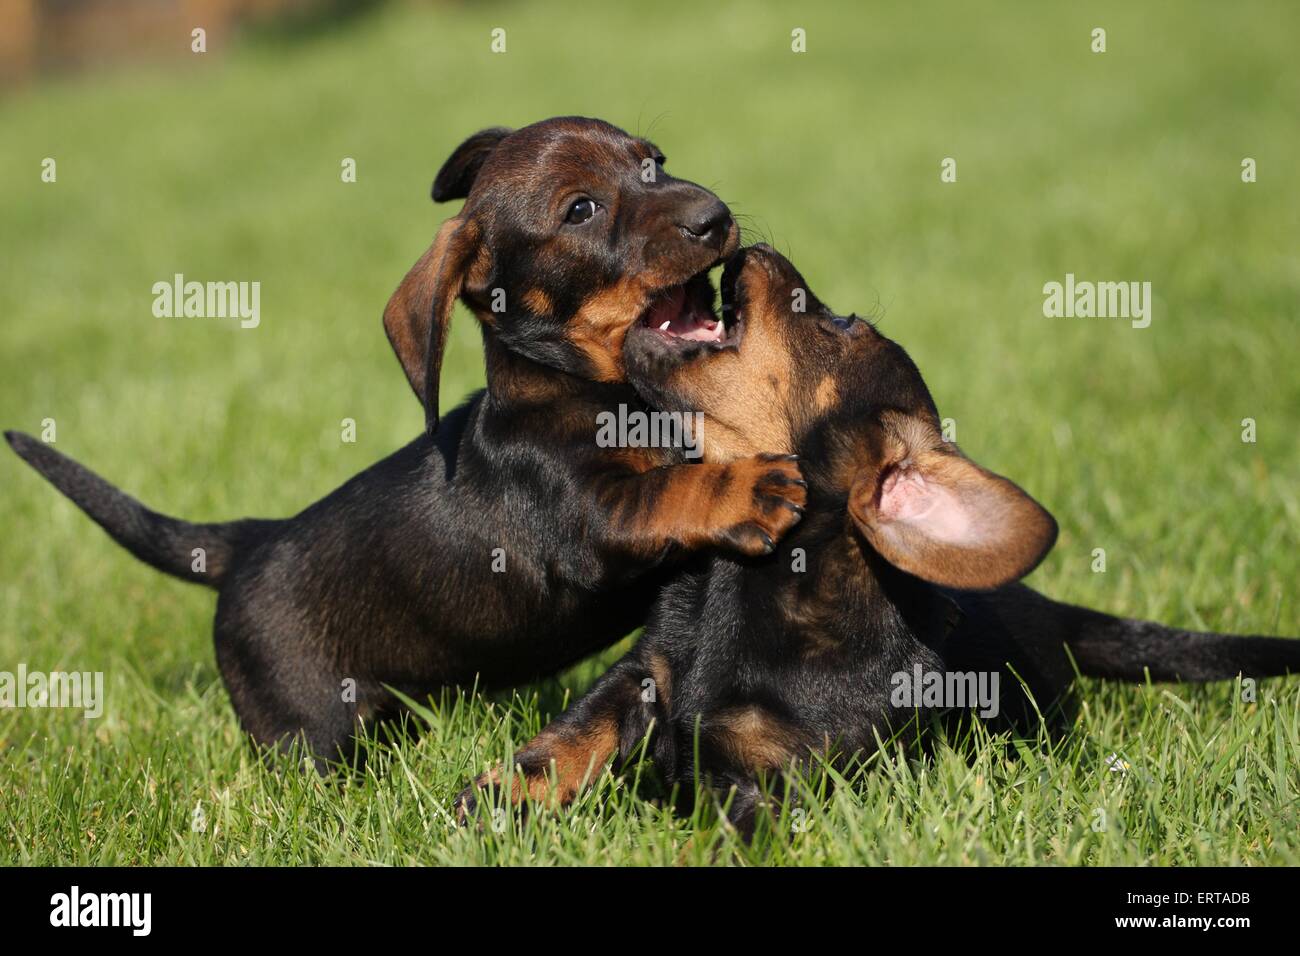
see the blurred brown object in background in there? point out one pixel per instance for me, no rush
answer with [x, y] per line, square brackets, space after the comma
[17, 38]
[38, 36]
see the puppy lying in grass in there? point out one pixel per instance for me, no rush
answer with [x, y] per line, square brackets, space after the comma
[906, 562]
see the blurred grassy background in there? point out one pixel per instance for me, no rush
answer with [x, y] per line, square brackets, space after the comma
[1116, 166]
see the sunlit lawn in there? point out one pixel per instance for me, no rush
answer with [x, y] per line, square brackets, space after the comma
[1117, 166]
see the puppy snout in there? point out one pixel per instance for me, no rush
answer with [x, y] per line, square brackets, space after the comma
[708, 222]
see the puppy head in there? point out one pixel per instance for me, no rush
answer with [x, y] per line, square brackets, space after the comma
[571, 231]
[788, 374]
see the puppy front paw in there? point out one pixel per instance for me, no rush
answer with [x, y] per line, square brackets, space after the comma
[504, 795]
[769, 494]
[465, 805]
[480, 805]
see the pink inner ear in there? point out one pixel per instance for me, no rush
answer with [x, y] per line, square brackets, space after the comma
[934, 510]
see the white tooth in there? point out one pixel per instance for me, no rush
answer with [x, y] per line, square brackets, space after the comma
[664, 327]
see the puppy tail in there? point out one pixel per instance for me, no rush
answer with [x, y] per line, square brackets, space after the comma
[166, 543]
[1126, 649]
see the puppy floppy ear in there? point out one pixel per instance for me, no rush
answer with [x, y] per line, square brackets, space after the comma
[419, 312]
[458, 173]
[936, 514]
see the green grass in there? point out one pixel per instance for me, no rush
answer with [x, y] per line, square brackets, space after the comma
[1123, 165]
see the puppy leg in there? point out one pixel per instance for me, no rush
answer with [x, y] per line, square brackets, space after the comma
[744, 505]
[572, 750]
[285, 693]
[729, 751]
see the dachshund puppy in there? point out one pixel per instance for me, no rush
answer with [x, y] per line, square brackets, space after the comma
[505, 543]
[906, 563]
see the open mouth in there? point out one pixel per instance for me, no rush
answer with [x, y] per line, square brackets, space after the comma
[683, 316]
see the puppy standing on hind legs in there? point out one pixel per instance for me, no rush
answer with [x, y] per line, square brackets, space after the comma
[389, 580]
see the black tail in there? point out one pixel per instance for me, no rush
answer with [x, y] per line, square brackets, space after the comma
[166, 543]
[1125, 649]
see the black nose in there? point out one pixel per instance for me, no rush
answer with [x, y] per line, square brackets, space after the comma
[707, 221]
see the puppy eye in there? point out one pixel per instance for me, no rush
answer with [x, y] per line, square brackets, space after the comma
[580, 212]
[844, 321]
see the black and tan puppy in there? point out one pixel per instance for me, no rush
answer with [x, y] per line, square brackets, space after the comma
[907, 559]
[503, 544]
